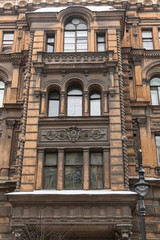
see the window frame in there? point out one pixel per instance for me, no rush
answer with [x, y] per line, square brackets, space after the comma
[47, 166]
[157, 147]
[96, 165]
[46, 36]
[90, 100]
[77, 87]
[97, 35]
[157, 89]
[51, 91]
[148, 39]
[76, 35]
[74, 166]
[9, 45]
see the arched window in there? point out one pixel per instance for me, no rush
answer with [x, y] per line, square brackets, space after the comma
[155, 90]
[95, 103]
[75, 36]
[2, 86]
[53, 104]
[74, 101]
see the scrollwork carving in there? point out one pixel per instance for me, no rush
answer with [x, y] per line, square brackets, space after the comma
[74, 134]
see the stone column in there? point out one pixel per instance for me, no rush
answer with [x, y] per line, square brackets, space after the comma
[105, 103]
[43, 104]
[106, 163]
[39, 180]
[123, 231]
[62, 104]
[86, 180]
[60, 171]
[86, 104]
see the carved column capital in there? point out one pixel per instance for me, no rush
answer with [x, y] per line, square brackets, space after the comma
[123, 231]
[10, 123]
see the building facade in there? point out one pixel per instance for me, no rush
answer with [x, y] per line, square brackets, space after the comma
[79, 95]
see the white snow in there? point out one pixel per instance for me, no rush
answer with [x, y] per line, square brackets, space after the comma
[74, 192]
[92, 8]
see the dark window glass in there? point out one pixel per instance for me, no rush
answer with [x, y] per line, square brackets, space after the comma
[53, 104]
[7, 41]
[50, 42]
[73, 170]
[50, 171]
[95, 104]
[101, 42]
[75, 36]
[74, 101]
[155, 91]
[1, 92]
[158, 149]
[147, 39]
[96, 170]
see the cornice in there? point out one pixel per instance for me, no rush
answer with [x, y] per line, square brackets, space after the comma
[15, 58]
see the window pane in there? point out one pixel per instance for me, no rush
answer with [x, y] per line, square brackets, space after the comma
[100, 38]
[100, 177]
[95, 107]
[1, 97]
[8, 36]
[157, 140]
[50, 178]
[50, 48]
[53, 110]
[93, 177]
[69, 26]
[69, 47]
[69, 40]
[81, 46]
[146, 34]
[51, 159]
[50, 40]
[101, 47]
[148, 45]
[69, 34]
[1, 85]
[96, 158]
[81, 26]
[158, 155]
[73, 178]
[81, 33]
[154, 97]
[74, 158]
[74, 107]
[155, 82]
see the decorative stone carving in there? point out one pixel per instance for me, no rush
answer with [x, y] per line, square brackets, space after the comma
[156, 124]
[123, 231]
[10, 123]
[142, 122]
[74, 134]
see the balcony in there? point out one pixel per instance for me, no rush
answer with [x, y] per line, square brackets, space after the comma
[74, 60]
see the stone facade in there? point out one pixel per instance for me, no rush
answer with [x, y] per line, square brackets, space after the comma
[126, 118]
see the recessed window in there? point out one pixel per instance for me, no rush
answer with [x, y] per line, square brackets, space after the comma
[50, 38]
[95, 103]
[50, 171]
[7, 41]
[96, 170]
[147, 39]
[53, 104]
[155, 91]
[74, 101]
[73, 170]
[2, 86]
[158, 149]
[101, 42]
[76, 36]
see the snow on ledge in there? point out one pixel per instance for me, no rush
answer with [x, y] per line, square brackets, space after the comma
[92, 8]
[74, 192]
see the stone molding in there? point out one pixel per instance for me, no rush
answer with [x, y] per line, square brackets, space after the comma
[73, 134]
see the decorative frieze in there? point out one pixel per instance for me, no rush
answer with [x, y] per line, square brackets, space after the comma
[73, 134]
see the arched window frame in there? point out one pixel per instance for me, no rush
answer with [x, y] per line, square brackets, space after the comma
[2, 88]
[95, 97]
[74, 99]
[155, 90]
[74, 37]
[53, 101]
